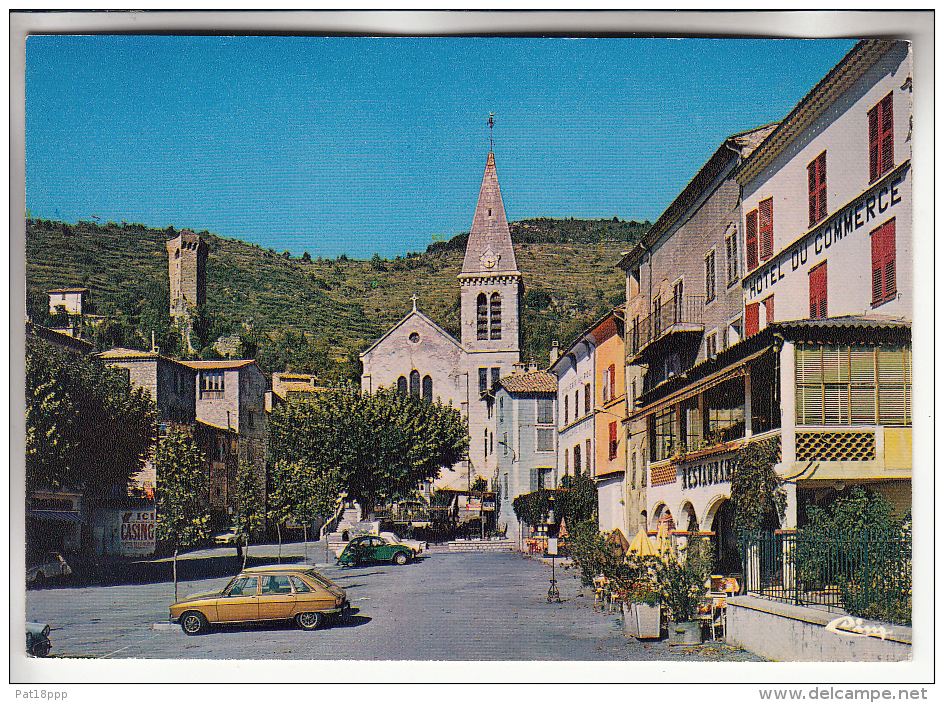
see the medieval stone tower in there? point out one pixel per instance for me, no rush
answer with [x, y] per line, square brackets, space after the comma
[490, 291]
[186, 267]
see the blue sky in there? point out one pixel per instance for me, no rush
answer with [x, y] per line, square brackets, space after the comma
[362, 145]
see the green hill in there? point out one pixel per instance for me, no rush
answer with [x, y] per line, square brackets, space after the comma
[318, 314]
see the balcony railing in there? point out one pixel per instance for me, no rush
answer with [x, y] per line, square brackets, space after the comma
[687, 311]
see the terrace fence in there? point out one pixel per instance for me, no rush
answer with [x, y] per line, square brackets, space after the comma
[859, 574]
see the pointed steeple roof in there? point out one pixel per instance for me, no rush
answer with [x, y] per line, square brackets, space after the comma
[489, 251]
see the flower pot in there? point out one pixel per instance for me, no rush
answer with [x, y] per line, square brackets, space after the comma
[684, 632]
[641, 620]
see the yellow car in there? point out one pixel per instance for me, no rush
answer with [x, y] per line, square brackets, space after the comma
[275, 592]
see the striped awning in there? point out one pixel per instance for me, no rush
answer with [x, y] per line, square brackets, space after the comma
[56, 515]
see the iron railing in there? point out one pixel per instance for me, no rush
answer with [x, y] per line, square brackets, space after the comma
[688, 309]
[850, 573]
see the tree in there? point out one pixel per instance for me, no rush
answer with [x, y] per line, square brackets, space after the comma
[759, 499]
[248, 513]
[86, 427]
[183, 519]
[302, 492]
[382, 444]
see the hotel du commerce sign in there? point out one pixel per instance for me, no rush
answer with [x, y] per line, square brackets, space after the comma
[863, 213]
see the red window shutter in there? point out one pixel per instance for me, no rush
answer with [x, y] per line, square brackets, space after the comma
[816, 173]
[883, 263]
[752, 319]
[769, 307]
[613, 440]
[612, 381]
[751, 236]
[881, 138]
[818, 292]
[766, 227]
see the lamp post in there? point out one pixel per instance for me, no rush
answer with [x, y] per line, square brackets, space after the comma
[553, 594]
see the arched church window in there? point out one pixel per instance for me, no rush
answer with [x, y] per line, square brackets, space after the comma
[496, 316]
[414, 382]
[401, 385]
[176, 253]
[428, 388]
[481, 317]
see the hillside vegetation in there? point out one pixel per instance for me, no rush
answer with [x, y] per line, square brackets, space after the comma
[318, 314]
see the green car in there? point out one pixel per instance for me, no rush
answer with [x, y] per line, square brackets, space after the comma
[373, 548]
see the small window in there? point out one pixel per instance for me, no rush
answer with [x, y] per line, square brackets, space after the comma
[566, 409]
[496, 374]
[614, 442]
[710, 276]
[751, 240]
[545, 411]
[881, 138]
[481, 317]
[483, 380]
[428, 388]
[300, 586]
[818, 308]
[545, 439]
[752, 317]
[816, 176]
[769, 308]
[586, 399]
[883, 264]
[711, 346]
[731, 254]
[496, 317]
[414, 382]
[765, 227]
[402, 385]
[414, 337]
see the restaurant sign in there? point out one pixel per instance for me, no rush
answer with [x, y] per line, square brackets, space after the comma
[707, 471]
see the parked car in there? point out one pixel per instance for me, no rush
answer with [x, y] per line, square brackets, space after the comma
[228, 537]
[417, 546]
[273, 592]
[37, 639]
[369, 549]
[50, 565]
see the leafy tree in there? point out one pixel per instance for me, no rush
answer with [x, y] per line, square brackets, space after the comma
[576, 499]
[382, 444]
[479, 485]
[203, 327]
[377, 264]
[183, 519]
[759, 499]
[306, 257]
[249, 512]
[86, 427]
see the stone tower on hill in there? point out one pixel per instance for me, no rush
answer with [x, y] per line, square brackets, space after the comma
[187, 255]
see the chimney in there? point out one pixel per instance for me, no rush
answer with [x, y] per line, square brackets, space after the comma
[532, 366]
[555, 352]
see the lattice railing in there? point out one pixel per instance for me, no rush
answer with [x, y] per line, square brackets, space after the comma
[835, 446]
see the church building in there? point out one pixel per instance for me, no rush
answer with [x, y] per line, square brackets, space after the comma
[417, 356]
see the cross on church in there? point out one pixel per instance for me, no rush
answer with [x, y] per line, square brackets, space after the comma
[491, 126]
[414, 302]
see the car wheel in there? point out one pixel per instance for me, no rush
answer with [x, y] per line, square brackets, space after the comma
[400, 558]
[193, 623]
[309, 621]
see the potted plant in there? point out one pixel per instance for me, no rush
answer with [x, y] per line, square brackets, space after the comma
[681, 584]
[641, 606]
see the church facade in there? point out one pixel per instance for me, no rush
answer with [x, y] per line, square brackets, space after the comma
[417, 356]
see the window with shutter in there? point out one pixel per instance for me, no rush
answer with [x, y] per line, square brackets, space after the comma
[496, 322]
[710, 277]
[751, 240]
[881, 138]
[751, 317]
[613, 440]
[818, 292]
[566, 409]
[730, 244]
[612, 372]
[606, 385]
[589, 458]
[765, 226]
[769, 308]
[586, 398]
[883, 264]
[817, 188]
[576, 459]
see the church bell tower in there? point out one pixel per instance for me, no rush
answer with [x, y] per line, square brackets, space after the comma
[490, 292]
